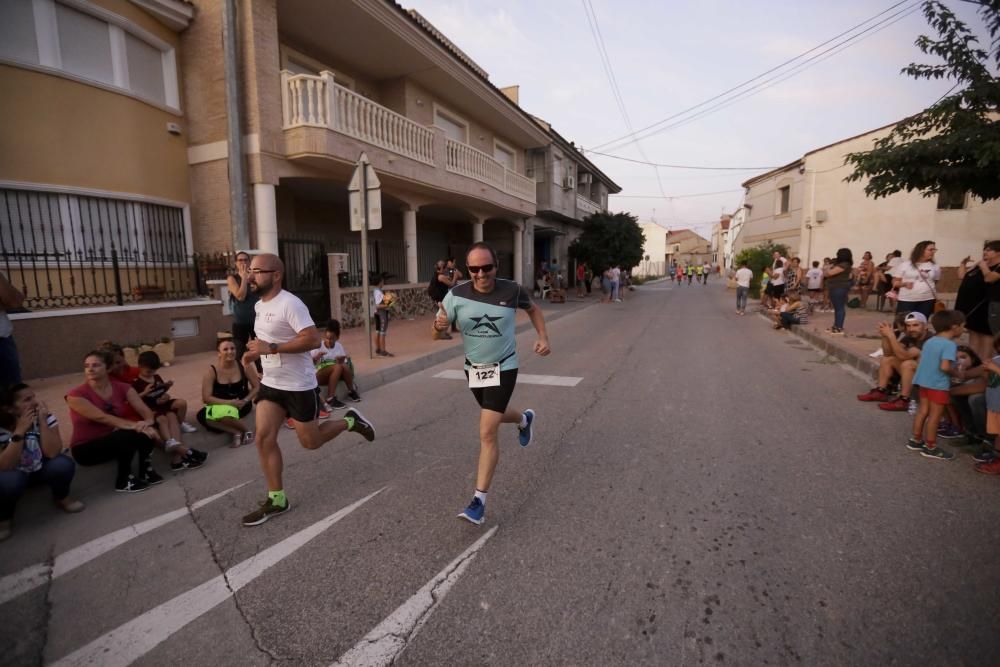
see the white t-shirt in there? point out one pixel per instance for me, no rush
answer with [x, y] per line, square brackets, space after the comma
[744, 276]
[616, 274]
[814, 278]
[330, 353]
[923, 276]
[279, 320]
[891, 266]
[778, 276]
[378, 296]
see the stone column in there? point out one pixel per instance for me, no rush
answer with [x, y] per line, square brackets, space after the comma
[266, 217]
[518, 252]
[410, 243]
[477, 231]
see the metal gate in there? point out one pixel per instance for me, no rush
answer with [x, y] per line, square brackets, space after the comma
[307, 275]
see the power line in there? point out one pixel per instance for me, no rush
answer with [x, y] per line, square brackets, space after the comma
[798, 69]
[595, 31]
[680, 166]
[634, 135]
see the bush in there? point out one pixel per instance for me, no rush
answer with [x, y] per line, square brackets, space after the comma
[758, 258]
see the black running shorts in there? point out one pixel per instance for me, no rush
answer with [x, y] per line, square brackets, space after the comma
[496, 398]
[302, 406]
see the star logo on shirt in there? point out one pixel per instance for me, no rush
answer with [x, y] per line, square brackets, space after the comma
[486, 322]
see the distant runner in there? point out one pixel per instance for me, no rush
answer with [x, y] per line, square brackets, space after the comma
[484, 309]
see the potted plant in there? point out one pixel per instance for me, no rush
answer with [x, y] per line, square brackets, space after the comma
[165, 350]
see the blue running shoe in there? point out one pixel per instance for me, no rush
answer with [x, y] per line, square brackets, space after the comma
[524, 435]
[474, 512]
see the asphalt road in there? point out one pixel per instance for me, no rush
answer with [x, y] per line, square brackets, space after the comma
[709, 493]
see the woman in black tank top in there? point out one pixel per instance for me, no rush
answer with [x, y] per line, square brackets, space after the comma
[228, 390]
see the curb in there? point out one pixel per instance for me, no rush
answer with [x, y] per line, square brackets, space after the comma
[863, 364]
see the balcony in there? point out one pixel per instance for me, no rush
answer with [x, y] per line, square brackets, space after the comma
[585, 207]
[318, 102]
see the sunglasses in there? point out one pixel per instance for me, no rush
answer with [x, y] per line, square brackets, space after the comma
[485, 268]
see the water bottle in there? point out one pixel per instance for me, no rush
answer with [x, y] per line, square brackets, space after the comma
[912, 408]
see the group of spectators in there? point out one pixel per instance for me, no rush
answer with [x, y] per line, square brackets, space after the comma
[952, 389]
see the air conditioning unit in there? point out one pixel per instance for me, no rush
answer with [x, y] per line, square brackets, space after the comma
[569, 183]
[585, 179]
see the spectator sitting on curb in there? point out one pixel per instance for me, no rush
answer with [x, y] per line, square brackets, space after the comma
[991, 465]
[967, 362]
[792, 311]
[228, 389]
[899, 356]
[168, 413]
[968, 399]
[333, 366]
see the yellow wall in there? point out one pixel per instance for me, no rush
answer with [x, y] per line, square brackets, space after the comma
[64, 132]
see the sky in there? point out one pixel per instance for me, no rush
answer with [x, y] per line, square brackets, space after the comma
[668, 56]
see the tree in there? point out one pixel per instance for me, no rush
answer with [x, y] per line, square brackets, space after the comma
[757, 258]
[953, 146]
[608, 240]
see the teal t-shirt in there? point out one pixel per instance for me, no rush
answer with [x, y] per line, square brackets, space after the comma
[487, 321]
[929, 374]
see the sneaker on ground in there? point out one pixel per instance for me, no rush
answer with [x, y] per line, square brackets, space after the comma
[937, 453]
[266, 510]
[151, 477]
[949, 431]
[474, 512]
[875, 394]
[189, 462]
[131, 485]
[188, 428]
[335, 404]
[354, 396]
[898, 404]
[525, 434]
[915, 445]
[323, 414]
[361, 425]
[249, 438]
[289, 424]
[985, 456]
[989, 468]
[197, 454]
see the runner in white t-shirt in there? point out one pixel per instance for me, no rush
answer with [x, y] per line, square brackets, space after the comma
[743, 277]
[285, 337]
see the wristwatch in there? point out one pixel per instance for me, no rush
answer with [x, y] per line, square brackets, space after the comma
[273, 347]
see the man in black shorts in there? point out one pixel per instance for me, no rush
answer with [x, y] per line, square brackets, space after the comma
[285, 337]
[484, 309]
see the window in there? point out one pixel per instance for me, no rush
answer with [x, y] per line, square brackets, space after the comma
[505, 155]
[454, 127]
[88, 42]
[17, 31]
[951, 199]
[784, 195]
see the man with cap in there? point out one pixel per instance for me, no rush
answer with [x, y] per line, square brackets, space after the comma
[899, 356]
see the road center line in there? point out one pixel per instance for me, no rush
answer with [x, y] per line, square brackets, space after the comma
[130, 641]
[35, 575]
[383, 645]
[526, 378]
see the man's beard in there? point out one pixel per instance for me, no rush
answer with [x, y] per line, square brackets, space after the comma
[261, 290]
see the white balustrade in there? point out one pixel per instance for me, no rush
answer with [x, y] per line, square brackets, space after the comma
[316, 101]
[468, 161]
[586, 206]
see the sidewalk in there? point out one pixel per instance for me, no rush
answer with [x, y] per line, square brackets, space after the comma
[409, 340]
[860, 337]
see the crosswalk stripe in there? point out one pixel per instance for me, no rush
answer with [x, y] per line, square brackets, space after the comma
[525, 378]
[383, 645]
[33, 576]
[130, 641]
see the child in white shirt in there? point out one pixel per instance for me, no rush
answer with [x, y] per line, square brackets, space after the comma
[333, 366]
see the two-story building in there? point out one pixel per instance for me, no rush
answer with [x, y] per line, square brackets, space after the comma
[449, 147]
[773, 208]
[685, 246]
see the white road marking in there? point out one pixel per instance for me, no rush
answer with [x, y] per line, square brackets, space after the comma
[383, 645]
[129, 642]
[34, 576]
[526, 378]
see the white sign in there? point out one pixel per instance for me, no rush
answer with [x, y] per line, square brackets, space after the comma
[355, 200]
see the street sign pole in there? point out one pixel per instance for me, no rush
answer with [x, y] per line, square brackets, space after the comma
[364, 257]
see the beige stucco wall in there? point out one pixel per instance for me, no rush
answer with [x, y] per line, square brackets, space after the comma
[861, 223]
[764, 224]
[64, 132]
[655, 246]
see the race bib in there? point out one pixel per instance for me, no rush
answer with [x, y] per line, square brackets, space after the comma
[270, 360]
[484, 375]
